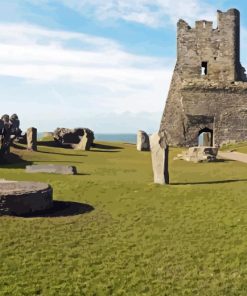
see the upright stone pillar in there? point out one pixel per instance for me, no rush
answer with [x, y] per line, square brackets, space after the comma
[159, 154]
[32, 139]
[142, 141]
[86, 140]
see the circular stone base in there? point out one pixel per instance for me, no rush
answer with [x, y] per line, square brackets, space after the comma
[22, 198]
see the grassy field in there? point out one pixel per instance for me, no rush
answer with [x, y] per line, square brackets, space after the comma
[120, 234]
[239, 147]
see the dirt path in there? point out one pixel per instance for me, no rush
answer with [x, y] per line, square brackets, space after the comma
[242, 157]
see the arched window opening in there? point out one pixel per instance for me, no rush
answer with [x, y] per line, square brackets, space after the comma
[205, 137]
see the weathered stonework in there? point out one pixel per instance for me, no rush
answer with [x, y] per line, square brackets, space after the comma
[142, 141]
[32, 139]
[208, 91]
[159, 156]
[51, 169]
[22, 198]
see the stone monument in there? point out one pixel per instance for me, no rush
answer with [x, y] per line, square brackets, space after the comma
[32, 139]
[142, 141]
[159, 154]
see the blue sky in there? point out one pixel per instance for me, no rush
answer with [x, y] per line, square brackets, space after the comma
[100, 64]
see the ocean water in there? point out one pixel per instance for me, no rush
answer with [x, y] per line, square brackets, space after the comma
[126, 138]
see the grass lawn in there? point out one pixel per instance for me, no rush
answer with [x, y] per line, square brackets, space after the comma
[239, 147]
[138, 238]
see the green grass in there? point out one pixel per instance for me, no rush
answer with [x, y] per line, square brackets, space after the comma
[188, 238]
[239, 147]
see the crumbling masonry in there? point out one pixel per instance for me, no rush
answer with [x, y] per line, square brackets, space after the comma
[208, 91]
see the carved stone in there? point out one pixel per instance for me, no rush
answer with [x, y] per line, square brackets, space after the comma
[22, 198]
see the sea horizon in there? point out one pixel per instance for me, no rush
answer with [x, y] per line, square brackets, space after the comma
[111, 137]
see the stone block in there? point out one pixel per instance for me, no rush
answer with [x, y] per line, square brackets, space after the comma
[51, 169]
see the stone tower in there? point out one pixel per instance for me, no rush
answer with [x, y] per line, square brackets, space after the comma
[208, 91]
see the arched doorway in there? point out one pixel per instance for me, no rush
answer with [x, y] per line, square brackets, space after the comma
[205, 137]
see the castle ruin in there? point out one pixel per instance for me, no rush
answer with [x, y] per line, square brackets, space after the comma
[208, 91]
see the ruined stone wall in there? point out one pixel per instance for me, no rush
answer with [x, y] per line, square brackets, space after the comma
[219, 48]
[201, 107]
[216, 101]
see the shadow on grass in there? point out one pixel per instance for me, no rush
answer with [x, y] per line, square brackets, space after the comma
[223, 160]
[48, 144]
[105, 147]
[64, 154]
[57, 161]
[14, 161]
[210, 182]
[105, 151]
[63, 209]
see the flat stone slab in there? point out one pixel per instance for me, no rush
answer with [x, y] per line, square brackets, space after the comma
[52, 169]
[22, 198]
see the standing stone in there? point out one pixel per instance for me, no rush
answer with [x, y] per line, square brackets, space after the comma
[86, 140]
[143, 141]
[32, 139]
[159, 154]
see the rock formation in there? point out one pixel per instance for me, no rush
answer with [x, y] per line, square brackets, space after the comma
[9, 131]
[208, 91]
[86, 141]
[74, 137]
[199, 154]
[142, 141]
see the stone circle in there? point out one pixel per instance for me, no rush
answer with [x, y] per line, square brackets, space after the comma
[23, 198]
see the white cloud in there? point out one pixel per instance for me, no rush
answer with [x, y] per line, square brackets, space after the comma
[153, 13]
[96, 77]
